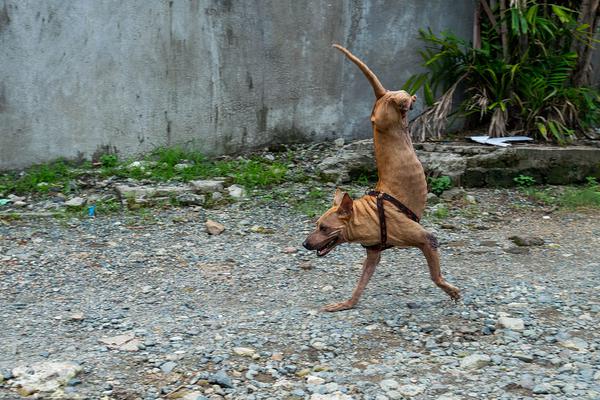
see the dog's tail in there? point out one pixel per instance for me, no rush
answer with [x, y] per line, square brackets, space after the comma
[377, 86]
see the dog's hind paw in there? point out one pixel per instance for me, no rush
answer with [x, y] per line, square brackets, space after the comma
[344, 305]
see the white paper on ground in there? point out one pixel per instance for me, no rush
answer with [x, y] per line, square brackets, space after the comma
[501, 141]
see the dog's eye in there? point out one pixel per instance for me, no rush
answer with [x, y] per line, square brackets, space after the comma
[322, 228]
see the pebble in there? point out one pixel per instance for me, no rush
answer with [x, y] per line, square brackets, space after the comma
[515, 324]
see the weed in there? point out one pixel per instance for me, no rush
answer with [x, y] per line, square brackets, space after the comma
[39, 178]
[440, 212]
[440, 184]
[586, 197]
[109, 160]
[524, 181]
[314, 204]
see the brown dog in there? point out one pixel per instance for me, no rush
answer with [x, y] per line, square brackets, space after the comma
[400, 176]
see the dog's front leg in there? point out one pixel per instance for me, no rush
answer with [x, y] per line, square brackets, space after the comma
[373, 257]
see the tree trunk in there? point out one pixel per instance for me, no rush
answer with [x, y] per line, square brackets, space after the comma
[588, 14]
[504, 31]
[477, 26]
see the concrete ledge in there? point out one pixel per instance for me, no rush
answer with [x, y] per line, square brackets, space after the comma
[475, 165]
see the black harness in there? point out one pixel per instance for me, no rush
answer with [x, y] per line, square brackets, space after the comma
[381, 197]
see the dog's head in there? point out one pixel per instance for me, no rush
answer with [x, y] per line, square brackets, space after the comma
[331, 226]
[392, 108]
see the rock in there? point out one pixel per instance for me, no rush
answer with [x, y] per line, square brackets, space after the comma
[44, 377]
[545, 388]
[75, 202]
[411, 390]
[141, 165]
[475, 361]
[470, 199]
[290, 250]
[574, 343]
[517, 250]
[76, 317]
[148, 192]
[190, 199]
[244, 351]
[314, 380]
[331, 396]
[514, 324]
[181, 166]
[194, 396]
[236, 191]
[523, 357]
[327, 288]
[389, 384]
[168, 367]
[125, 342]
[214, 228]
[352, 158]
[527, 241]
[454, 194]
[432, 198]
[220, 378]
[339, 142]
[207, 186]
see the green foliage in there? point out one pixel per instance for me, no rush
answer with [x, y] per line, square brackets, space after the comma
[524, 180]
[529, 89]
[39, 178]
[440, 212]
[440, 184]
[582, 197]
[109, 160]
[164, 164]
[314, 204]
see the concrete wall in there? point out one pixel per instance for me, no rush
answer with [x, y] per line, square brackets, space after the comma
[86, 76]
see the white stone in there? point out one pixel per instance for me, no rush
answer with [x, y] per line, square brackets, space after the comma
[44, 377]
[515, 324]
[411, 390]
[314, 380]
[389, 384]
[244, 351]
[475, 361]
[207, 186]
[236, 191]
[331, 396]
[339, 142]
[75, 202]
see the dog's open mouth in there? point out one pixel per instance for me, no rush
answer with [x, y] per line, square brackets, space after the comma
[327, 247]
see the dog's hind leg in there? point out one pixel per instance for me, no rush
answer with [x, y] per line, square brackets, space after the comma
[373, 257]
[429, 247]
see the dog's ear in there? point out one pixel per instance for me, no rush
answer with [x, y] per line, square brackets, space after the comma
[414, 99]
[345, 207]
[337, 198]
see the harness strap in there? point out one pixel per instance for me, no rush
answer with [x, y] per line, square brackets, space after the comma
[381, 197]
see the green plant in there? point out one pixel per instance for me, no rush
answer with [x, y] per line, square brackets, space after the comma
[440, 211]
[591, 181]
[314, 204]
[440, 184]
[109, 160]
[515, 79]
[524, 180]
[586, 197]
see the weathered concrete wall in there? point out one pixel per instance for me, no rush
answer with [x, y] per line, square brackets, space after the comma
[79, 77]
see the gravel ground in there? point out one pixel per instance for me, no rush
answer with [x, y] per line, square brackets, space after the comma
[236, 315]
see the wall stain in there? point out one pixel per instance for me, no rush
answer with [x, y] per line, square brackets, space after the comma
[3, 101]
[4, 17]
[261, 118]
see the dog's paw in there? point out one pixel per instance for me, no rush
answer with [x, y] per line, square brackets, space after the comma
[344, 305]
[453, 292]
